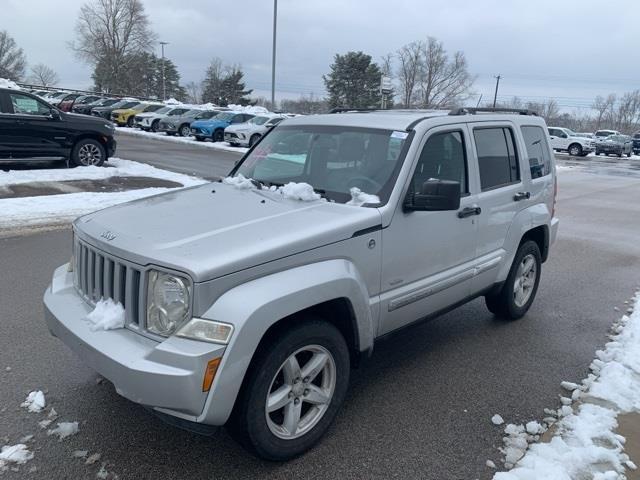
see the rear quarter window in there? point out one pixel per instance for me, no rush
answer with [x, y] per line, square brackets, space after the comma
[537, 151]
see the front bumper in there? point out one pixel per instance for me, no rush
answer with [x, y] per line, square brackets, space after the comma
[163, 127]
[238, 138]
[163, 375]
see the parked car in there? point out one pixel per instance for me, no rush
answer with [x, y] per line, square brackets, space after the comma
[150, 121]
[55, 97]
[249, 306]
[636, 143]
[565, 140]
[603, 134]
[87, 108]
[125, 116]
[615, 145]
[32, 128]
[586, 135]
[105, 112]
[248, 133]
[181, 124]
[214, 127]
[67, 104]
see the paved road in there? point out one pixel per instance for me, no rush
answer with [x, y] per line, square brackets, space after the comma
[420, 408]
[179, 157]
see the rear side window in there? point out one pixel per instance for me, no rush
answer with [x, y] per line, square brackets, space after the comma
[497, 157]
[443, 157]
[23, 104]
[537, 151]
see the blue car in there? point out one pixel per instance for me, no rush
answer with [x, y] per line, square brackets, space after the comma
[213, 128]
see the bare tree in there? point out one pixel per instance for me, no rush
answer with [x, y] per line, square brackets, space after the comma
[386, 65]
[443, 81]
[628, 111]
[604, 108]
[409, 57]
[43, 75]
[109, 36]
[12, 60]
[194, 92]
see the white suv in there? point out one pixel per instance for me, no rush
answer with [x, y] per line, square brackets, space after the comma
[566, 140]
[248, 133]
[247, 301]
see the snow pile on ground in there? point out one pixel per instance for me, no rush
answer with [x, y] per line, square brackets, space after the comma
[15, 454]
[253, 110]
[585, 444]
[497, 420]
[6, 83]
[239, 181]
[34, 402]
[107, 315]
[64, 429]
[176, 139]
[359, 198]
[64, 208]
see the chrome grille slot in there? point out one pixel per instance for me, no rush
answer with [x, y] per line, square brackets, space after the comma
[98, 275]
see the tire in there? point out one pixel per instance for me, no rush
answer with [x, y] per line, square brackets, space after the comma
[200, 139]
[254, 139]
[264, 434]
[575, 150]
[130, 122]
[629, 155]
[154, 126]
[504, 303]
[88, 152]
[184, 130]
[170, 134]
[218, 135]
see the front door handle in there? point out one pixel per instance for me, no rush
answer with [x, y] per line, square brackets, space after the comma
[521, 196]
[469, 211]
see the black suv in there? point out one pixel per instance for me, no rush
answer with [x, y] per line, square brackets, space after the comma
[31, 128]
[636, 143]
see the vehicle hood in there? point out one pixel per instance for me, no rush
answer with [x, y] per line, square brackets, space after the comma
[240, 127]
[149, 114]
[207, 234]
[86, 120]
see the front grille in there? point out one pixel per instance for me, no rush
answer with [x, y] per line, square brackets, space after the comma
[230, 135]
[97, 276]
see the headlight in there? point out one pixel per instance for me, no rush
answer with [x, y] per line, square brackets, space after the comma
[206, 331]
[168, 298]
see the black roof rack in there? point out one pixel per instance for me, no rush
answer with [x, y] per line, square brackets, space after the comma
[473, 111]
[344, 109]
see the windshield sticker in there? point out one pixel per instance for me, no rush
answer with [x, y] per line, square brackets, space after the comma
[401, 135]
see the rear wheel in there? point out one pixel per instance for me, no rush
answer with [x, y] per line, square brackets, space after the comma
[218, 135]
[88, 152]
[520, 288]
[292, 392]
[254, 138]
[154, 125]
[130, 122]
[185, 131]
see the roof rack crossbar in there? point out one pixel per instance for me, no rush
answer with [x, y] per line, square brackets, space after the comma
[474, 110]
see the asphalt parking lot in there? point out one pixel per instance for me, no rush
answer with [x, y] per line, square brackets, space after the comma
[420, 408]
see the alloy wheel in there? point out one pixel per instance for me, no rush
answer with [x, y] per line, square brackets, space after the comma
[525, 280]
[89, 154]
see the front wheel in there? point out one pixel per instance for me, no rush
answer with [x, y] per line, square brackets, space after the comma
[130, 122]
[185, 131]
[575, 150]
[154, 126]
[292, 392]
[88, 152]
[519, 290]
[253, 140]
[218, 135]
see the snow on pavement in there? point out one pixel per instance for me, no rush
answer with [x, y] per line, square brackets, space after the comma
[107, 315]
[64, 208]
[176, 139]
[585, 443]
[34, 402]
[64, 430]
[18, 453]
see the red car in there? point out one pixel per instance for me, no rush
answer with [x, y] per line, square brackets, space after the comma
[70, 100]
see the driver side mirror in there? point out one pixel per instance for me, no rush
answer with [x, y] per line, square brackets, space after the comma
[435, 195]
[55, 114]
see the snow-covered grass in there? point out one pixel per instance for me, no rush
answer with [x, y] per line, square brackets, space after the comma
[34, 402]
[64, 208]
[585, 443]
[107, 315]
[177, 139]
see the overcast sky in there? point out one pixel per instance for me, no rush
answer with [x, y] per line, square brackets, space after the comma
[570, 50]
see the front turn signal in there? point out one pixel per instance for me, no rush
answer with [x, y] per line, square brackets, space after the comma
[210, 374]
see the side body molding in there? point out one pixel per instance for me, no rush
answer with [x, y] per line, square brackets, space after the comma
[256, 305]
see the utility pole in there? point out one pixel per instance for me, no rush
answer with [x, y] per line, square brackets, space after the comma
[495, 95]
[273, 56]
[164, 87]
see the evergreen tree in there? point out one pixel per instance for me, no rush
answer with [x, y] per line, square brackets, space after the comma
[212, 81]
[232, 88]
[354, 81]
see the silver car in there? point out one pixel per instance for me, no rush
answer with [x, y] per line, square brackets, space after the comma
[247, 301]
[248, 133]
[181, 124]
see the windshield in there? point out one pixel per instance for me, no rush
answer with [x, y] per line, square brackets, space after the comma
[258, 120]
[225, 117]
[571, 133]
[192, 113]
[164, 110]
[177, 111]
[129, 104]
[205, 115]
[331, 159]
[603, 133]
[152, 108]
[636, 135]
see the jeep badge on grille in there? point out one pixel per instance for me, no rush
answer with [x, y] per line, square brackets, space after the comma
[107, 235]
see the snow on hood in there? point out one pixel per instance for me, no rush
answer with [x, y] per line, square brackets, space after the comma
[172, 101]
[359, 198]
[292, 190]
[6, 83]
[239, 181]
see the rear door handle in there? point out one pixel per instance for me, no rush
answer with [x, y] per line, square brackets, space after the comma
[521, 196]
[469, 211]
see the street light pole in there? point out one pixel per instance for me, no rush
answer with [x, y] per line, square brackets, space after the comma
[273, 56]
[495, 95]
[164, 87]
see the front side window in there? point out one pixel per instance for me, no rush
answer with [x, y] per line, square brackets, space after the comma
[177, 111]
[537, 151]
[496, 157]
[331, 159]
[25, 105]
[443, 158]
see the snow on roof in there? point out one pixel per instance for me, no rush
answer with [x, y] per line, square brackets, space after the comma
[6, 83]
